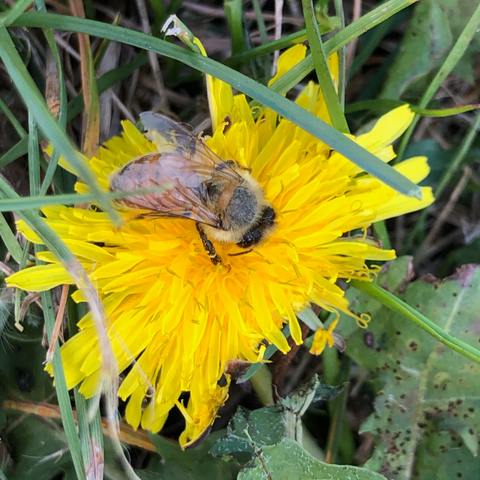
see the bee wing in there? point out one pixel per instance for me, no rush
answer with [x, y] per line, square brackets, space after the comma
[183, 163]
[185, 193]
[168, 136]
[163, 126]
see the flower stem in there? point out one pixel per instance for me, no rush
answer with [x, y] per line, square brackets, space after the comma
[262, 384]
[394, 303]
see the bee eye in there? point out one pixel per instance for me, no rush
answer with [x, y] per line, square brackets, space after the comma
[213, 192]
[252, 237]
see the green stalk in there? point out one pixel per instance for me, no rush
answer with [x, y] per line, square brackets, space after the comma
[324, 76]
[394, 303]
[262, 384]
[234, 12]
[381, 233]
[339, 434]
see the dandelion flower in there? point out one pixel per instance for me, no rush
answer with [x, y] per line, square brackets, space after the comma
[180, 317]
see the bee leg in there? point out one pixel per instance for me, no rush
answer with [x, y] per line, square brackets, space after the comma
[209, 247]
[240, 253]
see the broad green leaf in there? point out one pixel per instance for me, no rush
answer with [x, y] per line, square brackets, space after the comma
[428, 37]
[194, 464]
[429, 403]
[249, 430]
[288, 460]
[264, 426]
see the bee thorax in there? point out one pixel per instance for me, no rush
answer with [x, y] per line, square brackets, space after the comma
[242, 210]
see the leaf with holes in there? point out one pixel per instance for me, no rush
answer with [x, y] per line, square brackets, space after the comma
[288, 460]
[427, 416]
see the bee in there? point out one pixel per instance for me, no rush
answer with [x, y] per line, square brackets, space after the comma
[227, 204]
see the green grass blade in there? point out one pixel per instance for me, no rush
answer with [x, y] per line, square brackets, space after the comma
[19, 149]
[11, 15]
[324, 76]
[9, 240]
[266, 96]
[56, 245]
[62, 119]
[12, 119]
[19, 204]
[267, 64]
[33, 156]
[61, 389]
[234, 13]
[49, 316]
[37, 106]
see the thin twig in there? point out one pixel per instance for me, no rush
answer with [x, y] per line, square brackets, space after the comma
[58, 324]
[128, 434]
[352, 46]
[278, 32]
[446, 211]
[6, 269]
[215, 12]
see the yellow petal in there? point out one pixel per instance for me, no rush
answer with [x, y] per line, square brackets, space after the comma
[40, 278]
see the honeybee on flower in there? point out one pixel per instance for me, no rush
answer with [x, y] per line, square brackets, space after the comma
[220, 196]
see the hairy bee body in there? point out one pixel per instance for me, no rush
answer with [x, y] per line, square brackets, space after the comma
[221, 196]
